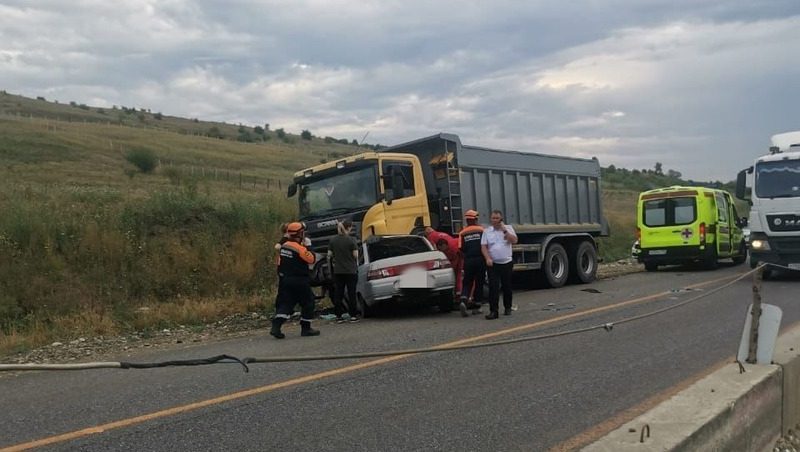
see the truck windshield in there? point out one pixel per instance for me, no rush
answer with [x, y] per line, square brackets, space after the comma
[340, 192]
[780, 179]
[669, 212]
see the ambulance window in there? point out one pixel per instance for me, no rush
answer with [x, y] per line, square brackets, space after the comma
[722, 208]
[669, 212]
[655, 213]
[684, 210]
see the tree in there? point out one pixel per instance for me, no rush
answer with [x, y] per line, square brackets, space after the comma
[214, 132]
[266, 126]
[158, 116]
[142, 158]
[612, 169]
[258, 130]
[354, 142]
[306, 135]
[281, 133]
[658, 168]
[674, 174]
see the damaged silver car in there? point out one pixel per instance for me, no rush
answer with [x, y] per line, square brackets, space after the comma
[404, 268]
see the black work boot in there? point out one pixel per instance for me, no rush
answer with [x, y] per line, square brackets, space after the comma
[306, 330]
[275, 331]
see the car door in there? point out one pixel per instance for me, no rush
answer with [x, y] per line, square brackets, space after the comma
[723, 228]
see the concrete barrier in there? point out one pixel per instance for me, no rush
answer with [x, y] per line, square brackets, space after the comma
[725, 411]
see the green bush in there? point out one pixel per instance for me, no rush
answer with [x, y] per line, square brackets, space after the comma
[142, 158]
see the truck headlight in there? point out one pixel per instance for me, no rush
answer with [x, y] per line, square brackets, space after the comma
[761, 245]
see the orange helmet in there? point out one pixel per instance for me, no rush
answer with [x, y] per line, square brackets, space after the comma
[471, 214]
[295, 228]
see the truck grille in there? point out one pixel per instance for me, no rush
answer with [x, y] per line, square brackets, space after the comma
[785, 245]
[784, 222]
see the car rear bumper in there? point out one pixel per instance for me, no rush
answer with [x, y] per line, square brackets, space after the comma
[675, 254]
[436, 282]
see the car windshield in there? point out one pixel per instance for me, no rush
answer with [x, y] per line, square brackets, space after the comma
[780, 179]
[669, 212]
[387, 247]
[341, 192]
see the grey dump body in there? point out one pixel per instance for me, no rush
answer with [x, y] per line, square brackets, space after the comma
[538, 194]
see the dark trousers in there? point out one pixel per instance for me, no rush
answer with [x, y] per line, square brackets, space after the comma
[500, 275]
[344, 281]
[474, 274]
[294, 290]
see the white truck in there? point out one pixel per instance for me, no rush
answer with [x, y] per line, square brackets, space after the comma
[775, 204]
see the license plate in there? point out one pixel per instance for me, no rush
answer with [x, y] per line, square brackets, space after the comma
[658, 252]
[794, 266]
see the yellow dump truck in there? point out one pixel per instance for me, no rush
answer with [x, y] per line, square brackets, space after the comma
[553, 202]
[677, 225]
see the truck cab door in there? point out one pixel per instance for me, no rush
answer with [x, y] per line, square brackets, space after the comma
[403, 202]
[723, 229]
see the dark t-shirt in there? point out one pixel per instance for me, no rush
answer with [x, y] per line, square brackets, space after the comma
[342, 247]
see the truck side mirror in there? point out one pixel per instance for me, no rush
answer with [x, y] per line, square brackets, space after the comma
[741, 184]
[387, 186]
[397, 184]
[291, 191]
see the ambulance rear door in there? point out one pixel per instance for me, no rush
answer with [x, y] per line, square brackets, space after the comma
[669, 222]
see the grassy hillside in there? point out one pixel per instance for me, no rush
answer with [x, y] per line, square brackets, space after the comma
[91, 245]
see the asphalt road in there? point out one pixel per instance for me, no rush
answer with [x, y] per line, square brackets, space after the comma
[557, 392]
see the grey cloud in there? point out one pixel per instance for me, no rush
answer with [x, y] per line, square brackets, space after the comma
[534, 75]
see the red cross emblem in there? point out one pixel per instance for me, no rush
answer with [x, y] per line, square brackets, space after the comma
[686, 233]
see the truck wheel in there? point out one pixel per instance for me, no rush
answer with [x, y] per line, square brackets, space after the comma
[363, 308]
[556, 265]
[583, 263]
[650, 266]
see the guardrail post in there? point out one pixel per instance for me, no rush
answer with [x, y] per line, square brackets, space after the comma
[758, 276]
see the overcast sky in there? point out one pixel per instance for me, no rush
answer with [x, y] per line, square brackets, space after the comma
[698, 85]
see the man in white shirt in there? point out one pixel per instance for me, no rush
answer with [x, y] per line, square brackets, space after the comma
[496, 247]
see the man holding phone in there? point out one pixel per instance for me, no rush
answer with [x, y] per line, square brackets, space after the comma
[496, 248]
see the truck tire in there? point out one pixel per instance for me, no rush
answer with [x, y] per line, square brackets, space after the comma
[651, 266]
[583, 263]
[556, 265]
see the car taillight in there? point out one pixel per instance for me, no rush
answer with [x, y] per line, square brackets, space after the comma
[381, 273]
[437, 264]
[702, 233]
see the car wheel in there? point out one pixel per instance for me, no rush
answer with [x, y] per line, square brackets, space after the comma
[446, 301]
[583, 263]
[711, 262]
[651, 266]
[363, 308]
[556, 265]
[742, 256]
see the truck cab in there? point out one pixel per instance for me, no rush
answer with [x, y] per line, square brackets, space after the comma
[381, 193]
[775, 203]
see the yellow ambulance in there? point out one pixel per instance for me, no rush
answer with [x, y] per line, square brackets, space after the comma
[678, 225]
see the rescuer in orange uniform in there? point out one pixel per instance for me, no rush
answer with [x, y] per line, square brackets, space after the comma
[469, 241]
[294, 283]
